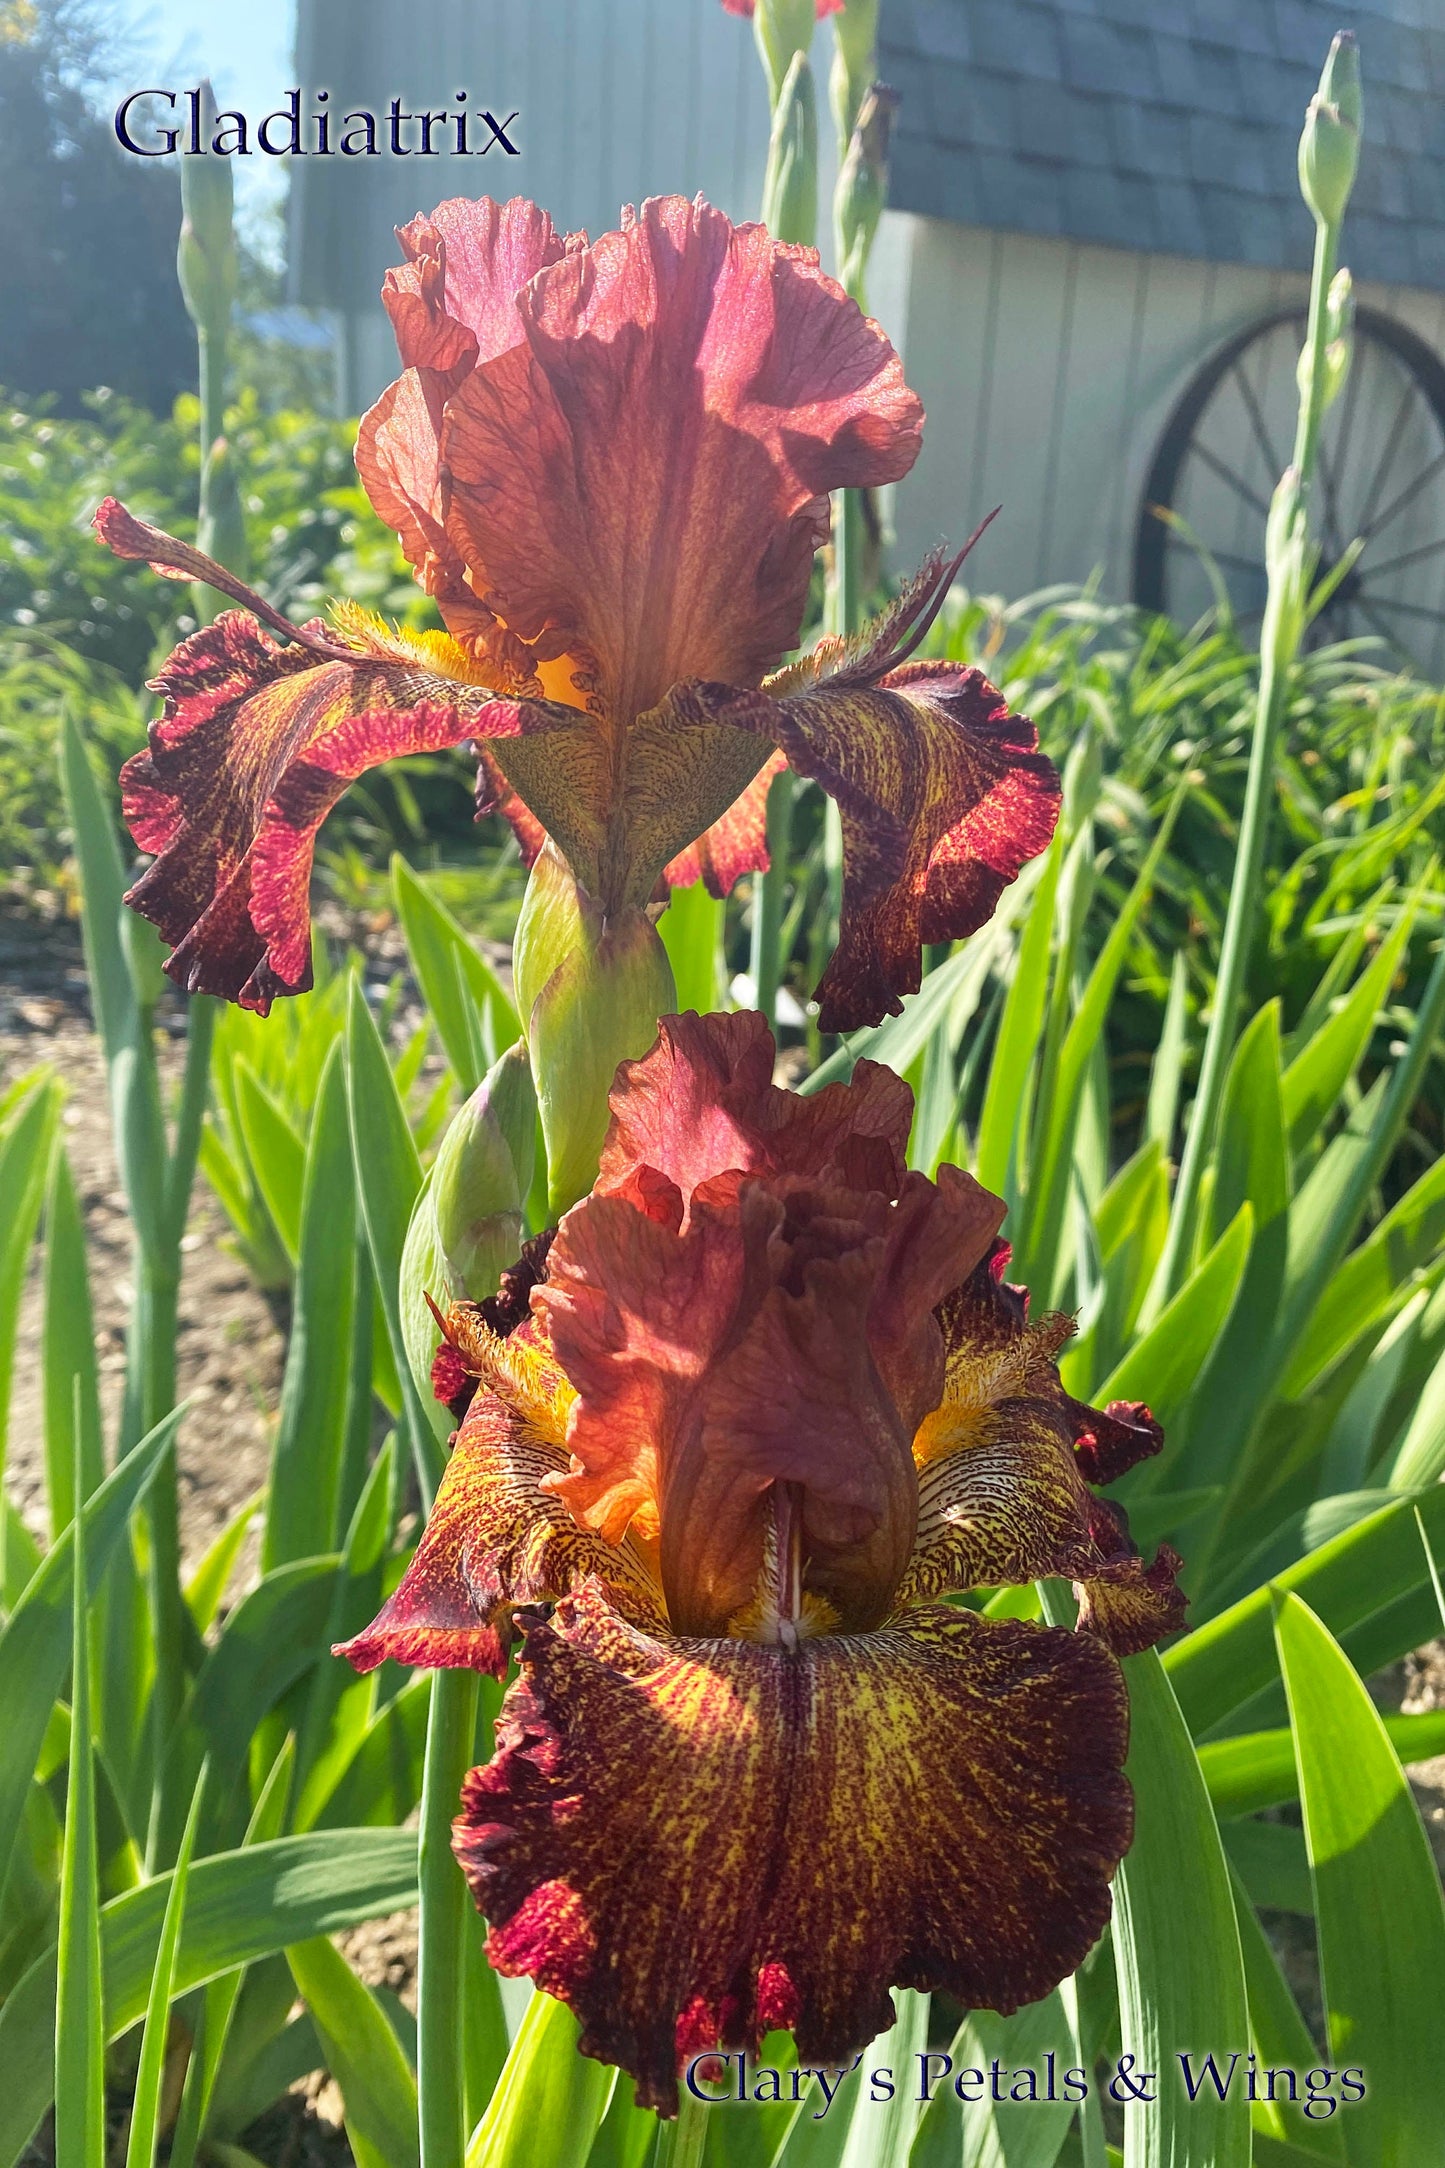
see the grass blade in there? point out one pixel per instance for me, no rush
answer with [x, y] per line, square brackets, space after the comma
[150, 2073]
[79, 2014]
[240, 1906]
[311, 1431]
[363, 2055]
[1176, 1943]
[445, 1903]
[388, 1176]
[549, 2099]
[70, 1384]
[1003, 1123]
[1378, 1905]
[35, 1646]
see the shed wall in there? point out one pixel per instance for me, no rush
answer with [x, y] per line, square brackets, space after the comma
[1048, 370]
[617, 100]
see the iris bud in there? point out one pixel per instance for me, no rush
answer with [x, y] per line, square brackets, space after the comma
[206, 253]
[466, 1225]
[590, 991]
[863, 186]
[790, 185]
[1329, 149]
[855, 61]
[482, 1174]
[782, 28]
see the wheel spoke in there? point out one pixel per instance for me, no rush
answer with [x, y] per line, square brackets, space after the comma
[1406, 496]
[1397, 430]
[1227, 474]
[1409, 609]
[1367, 610]
[1221, 557]
[1410, 557]
[1273, 466]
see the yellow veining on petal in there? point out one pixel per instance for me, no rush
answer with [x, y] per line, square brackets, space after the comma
[982, 1377]
[524, 1376]
[430, 650]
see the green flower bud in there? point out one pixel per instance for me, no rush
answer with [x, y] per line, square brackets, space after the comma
[206, 253]
[1329, 148]
[1339, 330]
[855, 63]
[862, 188]
[790, 186]
[590, 991]
[482, 1174]
[782, 29]
[466, 1225]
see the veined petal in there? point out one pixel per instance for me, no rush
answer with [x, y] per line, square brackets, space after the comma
[746, 1300]
[735, 844]
[942, 791]
[255, 744]
[495, 1537]
[692, 1842]
[1002, 1493]
[702, 1102]
[455, 297]
[452, 304]
[1005, 1504]
[646, 475]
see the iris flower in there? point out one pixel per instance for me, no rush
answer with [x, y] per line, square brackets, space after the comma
[609, 464]
[763, 1406]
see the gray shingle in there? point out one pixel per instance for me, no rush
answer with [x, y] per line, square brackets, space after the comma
[940, 29]
[1166, 124]
[1018, 35]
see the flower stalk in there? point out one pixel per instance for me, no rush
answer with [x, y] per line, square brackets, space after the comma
[1329, 149]
[442, 1923]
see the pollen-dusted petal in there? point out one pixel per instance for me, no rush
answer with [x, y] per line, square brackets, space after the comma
[621, 804]
[1128, 1604]
[646, 475]
[736, 843]
[1001, 1502]
[992, 1349]
[689, 1841]
[944, 796]
[495, 1538]
[255, 744]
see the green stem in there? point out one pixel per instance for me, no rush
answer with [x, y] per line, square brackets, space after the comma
[766, 962]
[212, 387]
[680, 2143]
[441, 1952]
[1278, 646]
[201, 1014]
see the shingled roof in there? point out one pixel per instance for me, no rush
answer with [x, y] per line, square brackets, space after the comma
[1167, 125]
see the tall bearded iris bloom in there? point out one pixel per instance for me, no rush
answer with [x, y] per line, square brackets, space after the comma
[609, 464]
[762, 1408]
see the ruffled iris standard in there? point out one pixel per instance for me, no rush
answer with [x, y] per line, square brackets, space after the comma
[738, 1433]
[609, 464]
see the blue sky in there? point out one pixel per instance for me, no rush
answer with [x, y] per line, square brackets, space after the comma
[245, 48]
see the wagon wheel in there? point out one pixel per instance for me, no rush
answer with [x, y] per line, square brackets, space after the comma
[1381, 476]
